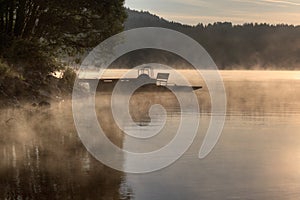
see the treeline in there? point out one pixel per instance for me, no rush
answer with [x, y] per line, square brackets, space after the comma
[247, 46]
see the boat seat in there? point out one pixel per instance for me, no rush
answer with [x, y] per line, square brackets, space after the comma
[162, 79]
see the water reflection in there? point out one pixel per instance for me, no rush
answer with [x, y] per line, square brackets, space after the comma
[257, 157]
[43, 158]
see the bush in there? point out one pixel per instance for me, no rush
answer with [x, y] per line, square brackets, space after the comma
[30, 58]
[68, 78]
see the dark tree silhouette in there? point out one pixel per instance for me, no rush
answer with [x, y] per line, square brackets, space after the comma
[34, 33]
[77, 23]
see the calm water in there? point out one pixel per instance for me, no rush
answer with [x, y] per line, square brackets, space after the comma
[257, 156]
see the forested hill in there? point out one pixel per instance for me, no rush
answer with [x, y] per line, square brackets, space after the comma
[249, 46]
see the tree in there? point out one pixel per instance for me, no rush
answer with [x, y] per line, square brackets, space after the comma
[76, 24]
[68, 26]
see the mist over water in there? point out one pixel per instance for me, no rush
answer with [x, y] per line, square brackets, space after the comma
[42, 157]
[257, 156]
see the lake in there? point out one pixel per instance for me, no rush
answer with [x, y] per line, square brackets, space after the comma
[256, 157]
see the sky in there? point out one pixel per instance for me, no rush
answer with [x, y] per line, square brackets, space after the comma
[209, 11]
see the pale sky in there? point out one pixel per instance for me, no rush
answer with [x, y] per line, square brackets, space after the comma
[209, 11]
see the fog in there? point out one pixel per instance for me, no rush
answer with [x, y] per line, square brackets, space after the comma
[43, 157]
